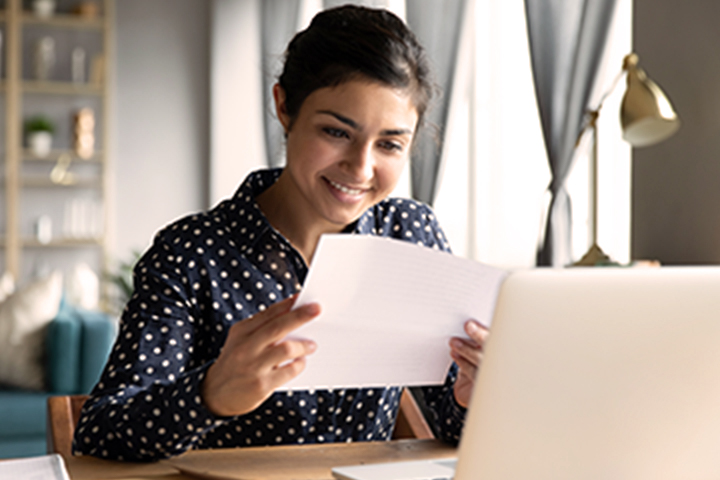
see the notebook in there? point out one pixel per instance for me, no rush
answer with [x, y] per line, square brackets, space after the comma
[594, 373]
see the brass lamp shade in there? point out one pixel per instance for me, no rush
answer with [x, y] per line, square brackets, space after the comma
[646, 115]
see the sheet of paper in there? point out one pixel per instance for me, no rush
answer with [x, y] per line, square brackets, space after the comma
[44, 467]
[389, 309]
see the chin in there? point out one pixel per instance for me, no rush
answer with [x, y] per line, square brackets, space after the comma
[343, 220]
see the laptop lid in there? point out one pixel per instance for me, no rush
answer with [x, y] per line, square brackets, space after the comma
[599, 373]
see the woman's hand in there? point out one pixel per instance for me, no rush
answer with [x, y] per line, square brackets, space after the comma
[256, 359]
[468, 354]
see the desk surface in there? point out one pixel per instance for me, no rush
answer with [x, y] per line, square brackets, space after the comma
[298, 462]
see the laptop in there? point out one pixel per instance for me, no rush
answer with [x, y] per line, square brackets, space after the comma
[592, 373]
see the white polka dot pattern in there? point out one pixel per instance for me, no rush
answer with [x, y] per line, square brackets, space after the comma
[202, 274]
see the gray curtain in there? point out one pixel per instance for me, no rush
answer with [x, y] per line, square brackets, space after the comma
[437, 24]
[279, 24]
[567, 39]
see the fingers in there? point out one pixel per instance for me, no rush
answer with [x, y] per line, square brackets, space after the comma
[277, 356]
[476, 332]
[280, 326]
[467, 352]
[251, 324]
[466, 367]
[288, 371]
[257, 358]
[271, 325]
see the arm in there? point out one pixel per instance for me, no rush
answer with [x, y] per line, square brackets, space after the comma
[185, 361]
[147, 404]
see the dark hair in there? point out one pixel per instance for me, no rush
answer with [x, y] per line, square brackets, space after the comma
[350, 42]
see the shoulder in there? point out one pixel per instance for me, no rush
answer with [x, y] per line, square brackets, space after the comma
[193, 228]
[408, 220]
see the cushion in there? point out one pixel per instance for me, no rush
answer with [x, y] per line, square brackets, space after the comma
[7, 285]
[98, 335]
[82, 287]
[24, 317]
[23, 413]
[62, 347]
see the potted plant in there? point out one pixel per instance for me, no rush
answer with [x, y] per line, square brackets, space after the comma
[39, 131]
[122, 281]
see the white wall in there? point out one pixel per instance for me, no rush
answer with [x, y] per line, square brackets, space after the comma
[160, 128]
[237, 137]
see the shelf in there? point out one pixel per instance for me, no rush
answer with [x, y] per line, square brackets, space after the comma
[26, 188]
[47, 183]
[61, 88]
[63, 243]
[53, 156]
[57, 242]
[64, 21]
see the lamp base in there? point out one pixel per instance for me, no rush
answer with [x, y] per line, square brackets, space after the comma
[594, 257]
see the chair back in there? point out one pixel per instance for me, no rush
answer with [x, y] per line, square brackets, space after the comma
[63, 415]
[411, 422]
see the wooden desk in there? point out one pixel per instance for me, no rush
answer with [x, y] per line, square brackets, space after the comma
[298, 462]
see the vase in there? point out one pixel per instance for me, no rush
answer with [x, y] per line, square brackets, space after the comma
[40, 143]
[44, 58]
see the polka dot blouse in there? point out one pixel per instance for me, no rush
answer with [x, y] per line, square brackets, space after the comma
[202, 274]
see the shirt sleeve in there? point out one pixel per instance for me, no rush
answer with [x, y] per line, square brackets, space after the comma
[148, 404]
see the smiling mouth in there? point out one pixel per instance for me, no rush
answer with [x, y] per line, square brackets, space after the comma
[344, 189]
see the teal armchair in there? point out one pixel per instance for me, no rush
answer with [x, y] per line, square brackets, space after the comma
[77, 346]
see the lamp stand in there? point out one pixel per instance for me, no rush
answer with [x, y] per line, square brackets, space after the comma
[594, 256]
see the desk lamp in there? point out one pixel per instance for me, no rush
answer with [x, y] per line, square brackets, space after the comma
[646, 117]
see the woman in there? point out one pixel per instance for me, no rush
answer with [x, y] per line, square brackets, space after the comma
[201, 347]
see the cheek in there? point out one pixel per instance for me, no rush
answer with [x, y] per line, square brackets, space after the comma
[391, 172]
[309, 153]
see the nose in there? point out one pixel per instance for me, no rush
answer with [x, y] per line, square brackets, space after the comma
[361, 162]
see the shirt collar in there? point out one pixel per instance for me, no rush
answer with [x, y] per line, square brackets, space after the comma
[248, 221]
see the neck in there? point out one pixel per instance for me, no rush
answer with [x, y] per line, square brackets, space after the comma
[286, 211]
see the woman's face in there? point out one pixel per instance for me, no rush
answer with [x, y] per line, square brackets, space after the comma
[347, 147]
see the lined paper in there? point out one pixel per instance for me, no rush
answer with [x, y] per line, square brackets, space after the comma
[389, 309]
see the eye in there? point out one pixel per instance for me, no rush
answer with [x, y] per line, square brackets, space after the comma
[335, 132]
[391, 146]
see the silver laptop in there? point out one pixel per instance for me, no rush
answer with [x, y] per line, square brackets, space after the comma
[593, 373]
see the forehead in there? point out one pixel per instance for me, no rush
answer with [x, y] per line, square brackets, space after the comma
[364, 102]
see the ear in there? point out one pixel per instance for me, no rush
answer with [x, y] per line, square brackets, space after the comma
[280, 107]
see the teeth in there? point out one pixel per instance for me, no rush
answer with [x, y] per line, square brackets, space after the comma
[344, 189]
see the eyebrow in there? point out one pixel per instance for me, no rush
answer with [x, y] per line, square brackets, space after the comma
[353, 124]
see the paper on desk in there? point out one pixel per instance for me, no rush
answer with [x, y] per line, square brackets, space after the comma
[389, 309]
[43, 467]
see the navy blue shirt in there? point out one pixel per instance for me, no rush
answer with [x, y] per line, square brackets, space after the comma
[202, 274]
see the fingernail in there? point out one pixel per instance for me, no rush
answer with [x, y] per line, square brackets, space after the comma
[311, 309]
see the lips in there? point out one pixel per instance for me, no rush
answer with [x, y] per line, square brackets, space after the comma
[345, 189]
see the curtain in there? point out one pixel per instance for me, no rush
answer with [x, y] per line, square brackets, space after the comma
[567, 40]
[437, 25]
[279, 24]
